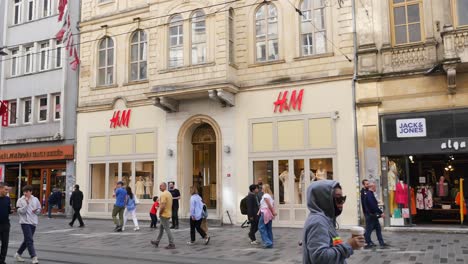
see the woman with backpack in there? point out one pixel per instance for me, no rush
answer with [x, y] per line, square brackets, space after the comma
[196, 217]
[130, 209]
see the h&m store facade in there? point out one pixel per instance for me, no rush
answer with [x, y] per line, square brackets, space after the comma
[222, 149]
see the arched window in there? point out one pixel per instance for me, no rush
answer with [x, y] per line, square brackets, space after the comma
[198, 22]
[106, 62]
[313, 27]
[266, 36]
[138, 56]
[176, 41]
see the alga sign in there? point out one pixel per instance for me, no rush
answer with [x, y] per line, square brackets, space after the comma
[37, 154]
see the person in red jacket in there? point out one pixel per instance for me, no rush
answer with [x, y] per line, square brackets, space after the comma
[154, 212]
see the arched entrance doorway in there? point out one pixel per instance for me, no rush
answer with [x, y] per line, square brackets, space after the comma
[199, 163]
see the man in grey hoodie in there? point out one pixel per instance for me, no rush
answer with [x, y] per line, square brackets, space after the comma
[322, 244]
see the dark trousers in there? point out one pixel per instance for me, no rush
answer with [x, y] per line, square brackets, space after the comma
[4, 237]
[253, 228]
[77, 215]
[120, 212]
[50, 207]
[154, 220]
[175, 216]
[196, 224]
[28, 234]
[372, 223]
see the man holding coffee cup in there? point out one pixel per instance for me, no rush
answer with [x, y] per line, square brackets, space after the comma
[321, 243]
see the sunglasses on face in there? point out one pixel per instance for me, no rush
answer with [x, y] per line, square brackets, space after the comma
[340, 200]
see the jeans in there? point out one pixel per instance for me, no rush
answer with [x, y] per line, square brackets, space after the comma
[77, 215]
[132, 213]
[372, 223]
[266, 230]
[4, 236]
[28, 233]
[51, 206]
[253, 228]
[165, 226]
[175, 216]
[196, 224]
[154, 220]
[118, 211]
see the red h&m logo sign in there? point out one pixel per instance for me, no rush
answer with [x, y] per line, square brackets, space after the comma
[120, 118]
[286, 104]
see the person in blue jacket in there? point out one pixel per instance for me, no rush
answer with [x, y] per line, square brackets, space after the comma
[321, 243]
[372, 219]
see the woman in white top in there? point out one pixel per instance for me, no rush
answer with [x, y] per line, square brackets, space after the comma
[267, 214]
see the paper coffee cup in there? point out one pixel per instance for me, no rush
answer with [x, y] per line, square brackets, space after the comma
[357, 231]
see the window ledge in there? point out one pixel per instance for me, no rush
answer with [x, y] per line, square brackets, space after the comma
[102, 87]
[130, 83]
[260, 64]
[315, 56]
[32, 73]
[183, 68]
[32, 21]
[103, 3]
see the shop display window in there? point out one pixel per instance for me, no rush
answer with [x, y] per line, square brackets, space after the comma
[113, 179]
[321, 169]
[263, 170]
[98, 181]
[144, 172]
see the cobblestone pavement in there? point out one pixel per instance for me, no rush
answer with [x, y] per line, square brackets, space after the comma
[56, 242]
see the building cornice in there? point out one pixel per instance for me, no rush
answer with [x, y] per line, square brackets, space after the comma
[113, 15]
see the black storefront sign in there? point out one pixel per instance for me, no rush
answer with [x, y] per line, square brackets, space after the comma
[437, 132]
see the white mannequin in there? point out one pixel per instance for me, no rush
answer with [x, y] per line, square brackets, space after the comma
[284, 176]
[321, 173]
[149, 186]
[140, 187]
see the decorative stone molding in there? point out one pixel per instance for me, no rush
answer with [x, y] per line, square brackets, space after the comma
[223, 97]
[455, 43]
[451, 70]
[408, 58]
[167, 104]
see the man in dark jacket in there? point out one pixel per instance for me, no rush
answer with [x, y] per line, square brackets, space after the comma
[372, 220]
[321, 243]
[76, 201]
[55, 199]
[252, 212]
[5, 211]
[365, 187]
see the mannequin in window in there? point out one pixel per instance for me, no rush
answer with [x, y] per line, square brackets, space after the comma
[284, 176]
[392, 176]
[321, 173]
[302, 181]
[148, 187]
[140, 187]
[442, 187]
[401, 194]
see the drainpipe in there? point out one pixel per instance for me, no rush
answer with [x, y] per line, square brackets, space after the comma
[353, 85]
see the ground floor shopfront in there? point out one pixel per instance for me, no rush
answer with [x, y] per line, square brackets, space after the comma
[412, 143]
[44, 168]
[222, 150]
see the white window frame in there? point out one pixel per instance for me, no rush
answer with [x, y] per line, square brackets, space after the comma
[24, 110]
[11, 112]
[198, 17]
[17, 17]
[55, 107]
[47, 12]
[309, 16]
[232, 33]
[140, 58]
[44, 56]
[39, 109]
[29, 55]
[58, 54]
[106, 66]
[176, 21]
[31, 9]
[15, 62]
[265, 22]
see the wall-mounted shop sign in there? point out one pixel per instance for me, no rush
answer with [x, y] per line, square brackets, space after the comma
[456, 145]
[294, 102]
[37, 154]
[121, 118]
[407, 128]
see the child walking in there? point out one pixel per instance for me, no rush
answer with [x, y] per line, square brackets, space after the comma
[154, 212]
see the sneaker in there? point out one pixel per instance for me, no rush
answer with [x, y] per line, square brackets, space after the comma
[136, 228]
[384, 245]
[172, 227]
[254, 242]
[155, 243]
[207, 240]
[35, 260]
[82, 226]
[190, 242]
[116, 228]
[122, 229]
[70, 224]
[170, 246]
[369, 247]
[18, 257]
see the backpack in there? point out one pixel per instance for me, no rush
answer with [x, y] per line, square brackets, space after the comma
[243, 206]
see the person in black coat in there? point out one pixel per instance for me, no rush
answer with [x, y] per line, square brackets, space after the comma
[252, 212]
[76, 202]
[372, 221]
